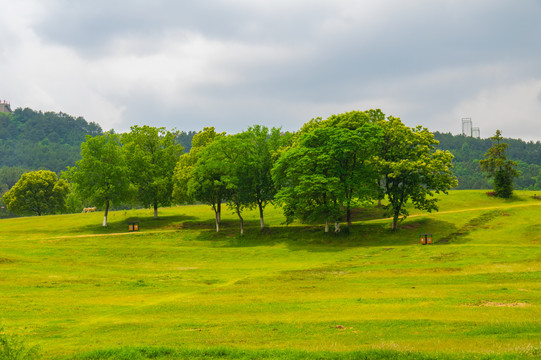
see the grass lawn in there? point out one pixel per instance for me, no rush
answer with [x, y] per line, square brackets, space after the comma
[177, 289]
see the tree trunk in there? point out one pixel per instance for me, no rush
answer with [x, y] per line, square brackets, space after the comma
[348, 216]
[326, 226]
[219, 213]
[106, 212]
[337, 227]
[395, 222]
[261, 220]
[241, 222]
[155, 210]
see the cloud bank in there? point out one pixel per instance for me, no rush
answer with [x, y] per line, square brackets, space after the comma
[235, 63]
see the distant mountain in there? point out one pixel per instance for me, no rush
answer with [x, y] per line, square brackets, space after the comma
[468, 151]
[34, 140]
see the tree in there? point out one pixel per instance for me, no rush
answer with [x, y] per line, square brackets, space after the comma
[307, 189]
[151, 155]
[37, 192]
[262, 147]
[498, 167]
[101, 175]
[234, 154]
[207, 183]
[328, 170]
[186, 163]
[412, 169]
[222, 173]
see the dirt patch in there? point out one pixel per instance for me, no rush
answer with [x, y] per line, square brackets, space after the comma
[411, 226]
[500, 304]
[5, 261]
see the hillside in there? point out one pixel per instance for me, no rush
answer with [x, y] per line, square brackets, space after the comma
[468, 151]
[178, 290]
[34, 140]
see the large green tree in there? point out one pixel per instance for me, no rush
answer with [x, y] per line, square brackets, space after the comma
[151, 155]
[37, 193]
[498, 167]
[101, 176]
[329, 169]
[412, 169]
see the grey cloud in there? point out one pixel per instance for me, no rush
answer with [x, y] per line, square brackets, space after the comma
[430, 56]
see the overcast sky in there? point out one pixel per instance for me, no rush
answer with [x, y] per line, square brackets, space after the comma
[235, 63]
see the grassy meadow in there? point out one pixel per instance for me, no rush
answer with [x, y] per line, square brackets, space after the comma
[177, 289]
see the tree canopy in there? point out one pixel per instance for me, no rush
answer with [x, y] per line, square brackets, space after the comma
[101, 176]
[37, 193]
[151, 156]
[328, 169]
[498, 167]
[411, 168]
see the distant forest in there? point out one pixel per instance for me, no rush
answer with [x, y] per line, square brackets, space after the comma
[468, 151]
[33, 140]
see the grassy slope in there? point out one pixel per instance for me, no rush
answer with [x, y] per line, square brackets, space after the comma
[72, 286]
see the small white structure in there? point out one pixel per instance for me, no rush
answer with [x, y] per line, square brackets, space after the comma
[4, 107]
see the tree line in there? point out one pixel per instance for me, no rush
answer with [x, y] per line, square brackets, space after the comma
[318, 174]
[468, 151]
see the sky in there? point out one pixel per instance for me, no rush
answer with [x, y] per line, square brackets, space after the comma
[232, 64]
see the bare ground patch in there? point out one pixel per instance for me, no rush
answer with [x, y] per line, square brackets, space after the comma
[485, 303]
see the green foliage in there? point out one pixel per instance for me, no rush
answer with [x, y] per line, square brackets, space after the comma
[14, 347]
[468, 151]
[233, 168]
[200, 175]
[328, 168]
[498, 167]
[229, 159]
[337, 164]
[151, 155]
[262, 150]
[36, 140]
[186, 163]
[184, 139]
[412, 169]
[101, 176]
[8, 177]
[37, 193]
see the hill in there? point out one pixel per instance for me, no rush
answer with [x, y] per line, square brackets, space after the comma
[468, 151]
[34, 140]
[177, 289]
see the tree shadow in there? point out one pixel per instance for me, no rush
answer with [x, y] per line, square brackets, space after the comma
[146, 223]
[299, 237]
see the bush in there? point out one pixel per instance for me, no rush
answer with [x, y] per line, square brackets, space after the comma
[14, 347]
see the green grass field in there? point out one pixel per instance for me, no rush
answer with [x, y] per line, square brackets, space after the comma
[177, 289]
